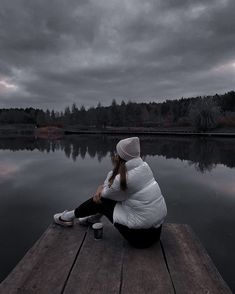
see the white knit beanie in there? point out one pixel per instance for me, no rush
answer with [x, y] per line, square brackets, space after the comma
[128, 148]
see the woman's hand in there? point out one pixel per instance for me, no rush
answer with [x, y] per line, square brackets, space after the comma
[97, 196]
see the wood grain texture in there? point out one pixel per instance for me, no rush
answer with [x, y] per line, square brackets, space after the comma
[190, 266]
[46, 265]
[69, 261]
[98, 266]
[145, 271]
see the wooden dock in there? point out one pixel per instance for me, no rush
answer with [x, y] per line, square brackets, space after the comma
[69, 260]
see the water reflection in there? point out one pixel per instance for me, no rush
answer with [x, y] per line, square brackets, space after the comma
[7, 170]
[43, 176]
[203, 153]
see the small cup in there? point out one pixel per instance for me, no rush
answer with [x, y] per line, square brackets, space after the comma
[98, 230]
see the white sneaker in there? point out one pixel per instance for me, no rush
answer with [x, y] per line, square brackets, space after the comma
[89, 220]
[58, 220]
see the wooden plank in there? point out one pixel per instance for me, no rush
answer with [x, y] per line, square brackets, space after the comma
[145, 271]
[191, 269]
[66, 260]
[98, 266]
[46, 265]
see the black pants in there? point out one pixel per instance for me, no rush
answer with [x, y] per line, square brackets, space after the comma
[140, 238]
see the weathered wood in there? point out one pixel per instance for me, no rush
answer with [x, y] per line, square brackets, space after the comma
[69, 260]
[98, 266]
[191, 268]
[145, 271]
[46, 265]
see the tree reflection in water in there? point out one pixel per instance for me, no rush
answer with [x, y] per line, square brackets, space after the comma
[202, 152]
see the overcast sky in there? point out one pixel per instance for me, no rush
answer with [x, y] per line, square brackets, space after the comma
[54, 53]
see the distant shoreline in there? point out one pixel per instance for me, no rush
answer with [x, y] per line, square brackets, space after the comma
[167, 133]
[56, 133]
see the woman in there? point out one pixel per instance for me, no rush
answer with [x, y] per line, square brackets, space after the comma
[129, 197]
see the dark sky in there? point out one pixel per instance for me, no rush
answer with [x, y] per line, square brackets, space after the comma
[54, 53]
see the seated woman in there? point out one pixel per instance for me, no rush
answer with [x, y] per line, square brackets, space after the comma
[129, 197]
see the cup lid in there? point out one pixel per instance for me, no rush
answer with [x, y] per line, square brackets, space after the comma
[97, 226]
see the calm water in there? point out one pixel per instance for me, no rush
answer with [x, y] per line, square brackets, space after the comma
[41, 177]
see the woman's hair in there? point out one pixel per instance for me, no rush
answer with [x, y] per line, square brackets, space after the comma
[119, 168]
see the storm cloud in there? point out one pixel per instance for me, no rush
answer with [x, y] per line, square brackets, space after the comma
[54, 53]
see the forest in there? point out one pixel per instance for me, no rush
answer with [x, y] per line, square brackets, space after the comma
[200, 113]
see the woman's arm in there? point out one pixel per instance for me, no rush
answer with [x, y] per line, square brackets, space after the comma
[114, 192]
[97, 195]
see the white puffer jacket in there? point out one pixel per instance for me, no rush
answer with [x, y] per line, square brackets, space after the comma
[142, 204]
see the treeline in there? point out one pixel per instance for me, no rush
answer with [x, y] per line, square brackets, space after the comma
[202, 113]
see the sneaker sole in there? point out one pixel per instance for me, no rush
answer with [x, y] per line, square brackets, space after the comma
[63, 223]
[89, 220]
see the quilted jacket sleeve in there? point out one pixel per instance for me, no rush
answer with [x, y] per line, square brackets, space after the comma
[113, 192]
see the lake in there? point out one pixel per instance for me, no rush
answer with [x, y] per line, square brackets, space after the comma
[40, 177]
